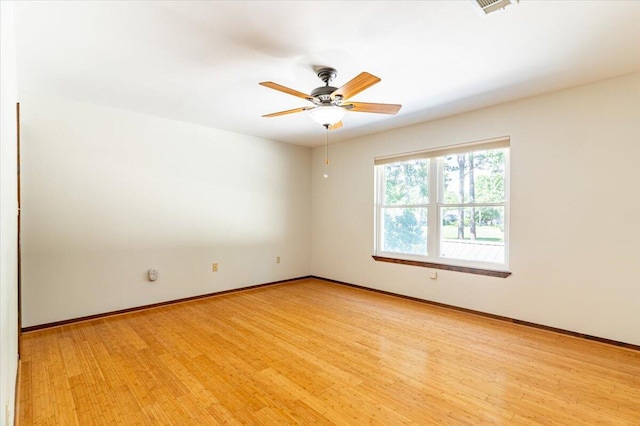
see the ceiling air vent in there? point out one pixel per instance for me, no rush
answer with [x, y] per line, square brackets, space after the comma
[489, 6]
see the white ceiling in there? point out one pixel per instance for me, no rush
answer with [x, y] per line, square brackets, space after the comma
[200, 62]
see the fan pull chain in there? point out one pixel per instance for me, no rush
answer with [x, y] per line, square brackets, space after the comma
[326, 153]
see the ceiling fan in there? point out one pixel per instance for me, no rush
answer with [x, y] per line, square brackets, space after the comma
[330, 103]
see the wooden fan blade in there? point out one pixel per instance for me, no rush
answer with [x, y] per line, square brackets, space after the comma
[281, 88]
[369, 107]
[335, 125]
[356, 85]
[289, 111]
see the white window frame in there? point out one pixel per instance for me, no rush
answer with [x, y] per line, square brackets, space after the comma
[436, 192]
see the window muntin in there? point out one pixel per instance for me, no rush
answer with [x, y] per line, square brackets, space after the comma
[468, 205]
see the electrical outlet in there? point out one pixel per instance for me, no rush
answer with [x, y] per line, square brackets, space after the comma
[152, 274]
[214, 267]
[278, 259]
[433, 275]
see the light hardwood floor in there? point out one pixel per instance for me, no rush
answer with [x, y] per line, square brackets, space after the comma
[312, 352]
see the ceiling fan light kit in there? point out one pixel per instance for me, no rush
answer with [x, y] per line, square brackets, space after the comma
[327, 115]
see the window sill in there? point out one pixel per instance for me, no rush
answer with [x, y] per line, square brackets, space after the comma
[465, 269]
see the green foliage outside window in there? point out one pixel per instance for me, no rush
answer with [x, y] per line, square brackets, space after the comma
[404, 228]
[403, 233]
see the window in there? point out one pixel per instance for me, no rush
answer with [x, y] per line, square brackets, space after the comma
[445, 207]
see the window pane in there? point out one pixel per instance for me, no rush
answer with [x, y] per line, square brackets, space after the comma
[406, 182]
[474, 177]
[404, 230]
[475, 234]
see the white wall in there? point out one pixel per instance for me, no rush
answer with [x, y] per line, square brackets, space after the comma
[575, 211]
[108, 194]
[8, 217]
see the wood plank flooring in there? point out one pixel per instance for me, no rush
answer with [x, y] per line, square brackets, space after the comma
[311, 352]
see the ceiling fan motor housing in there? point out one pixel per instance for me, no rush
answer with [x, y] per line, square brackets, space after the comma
[323, 93]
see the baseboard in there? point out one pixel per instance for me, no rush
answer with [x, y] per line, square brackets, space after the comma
[16, 398]
[153, 305]
[492, 316]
